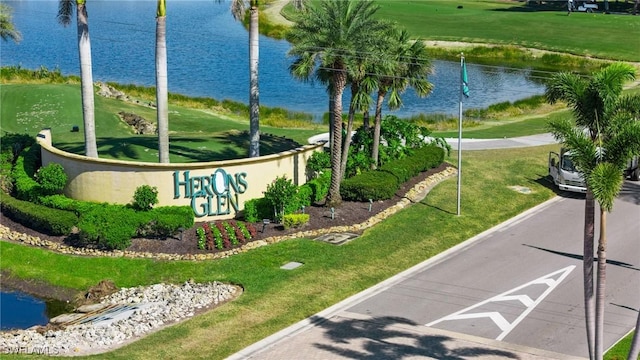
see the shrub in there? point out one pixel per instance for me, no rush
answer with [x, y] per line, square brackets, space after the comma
[145, 197]
[375, 185]
[52, 178]
[318, 162]
[109, 226]
[38, 217]
[257, 209]
[165, 221]
[303, 197]
[280, 194]
[295, 220]
[11, 145]
[320, 186]
[25, 186]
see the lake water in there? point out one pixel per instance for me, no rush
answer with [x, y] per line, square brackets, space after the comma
[21, 311]
[208, 56]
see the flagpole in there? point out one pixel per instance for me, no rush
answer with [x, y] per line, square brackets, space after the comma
[460, 131]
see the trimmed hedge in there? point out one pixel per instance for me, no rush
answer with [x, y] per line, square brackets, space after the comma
[375, 185]
[38, 217]
[383, 183]
[109, 226]
[112, 226]
[165, 221]
[25, 185]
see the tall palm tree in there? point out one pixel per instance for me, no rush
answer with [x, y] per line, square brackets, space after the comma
[593, 103]
[65, 11]
[162, 87]
[404, 65]
[8, 30]
[330, 35]
[239, 10]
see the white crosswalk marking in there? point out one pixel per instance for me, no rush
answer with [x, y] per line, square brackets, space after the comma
[551, 281]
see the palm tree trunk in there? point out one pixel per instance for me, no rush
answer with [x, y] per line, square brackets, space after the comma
[635, 343]
[346, 142]
[365, 120]
[376, 130]
[162, 87]
[339, 83]
[600, 289]
[86, 83]
[254, 93]
[587, 270]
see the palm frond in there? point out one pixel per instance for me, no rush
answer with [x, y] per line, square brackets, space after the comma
[65, 11]
[605, 181]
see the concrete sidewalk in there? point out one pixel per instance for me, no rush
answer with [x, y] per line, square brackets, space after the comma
[477, 144]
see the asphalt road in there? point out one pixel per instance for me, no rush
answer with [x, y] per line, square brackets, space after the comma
[522, 284]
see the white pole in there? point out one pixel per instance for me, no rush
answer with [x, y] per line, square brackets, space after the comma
[460, 135]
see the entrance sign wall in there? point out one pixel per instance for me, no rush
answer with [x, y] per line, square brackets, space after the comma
[214, 190]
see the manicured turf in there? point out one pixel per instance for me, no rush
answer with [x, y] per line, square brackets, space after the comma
[515, 23]
[195, 135]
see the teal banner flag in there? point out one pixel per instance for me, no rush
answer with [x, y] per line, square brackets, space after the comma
[465, 82]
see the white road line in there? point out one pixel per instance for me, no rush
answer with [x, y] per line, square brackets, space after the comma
[550, 280]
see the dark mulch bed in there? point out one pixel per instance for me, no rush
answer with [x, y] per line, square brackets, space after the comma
[348, 213]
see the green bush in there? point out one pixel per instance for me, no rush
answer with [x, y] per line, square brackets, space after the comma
[25, 186]
[110, 226]
[320, 186]
[145, 197]
[318, 162]
[38, 217]
[64, 203]
[303, 198]
[165, 221]
[294, 220]
[375, 185]
[11, 145]
[52, 178]
[281, 194]
[257, 209]
[384, 182]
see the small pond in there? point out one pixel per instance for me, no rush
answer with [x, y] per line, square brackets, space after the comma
[19, 310]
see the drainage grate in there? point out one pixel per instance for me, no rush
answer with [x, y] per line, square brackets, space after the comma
[337, 238]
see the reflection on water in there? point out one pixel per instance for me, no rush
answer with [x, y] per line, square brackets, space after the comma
[208, 56]
[21, 311]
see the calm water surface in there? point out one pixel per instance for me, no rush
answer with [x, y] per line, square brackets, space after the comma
[21, 311]
[208, 56]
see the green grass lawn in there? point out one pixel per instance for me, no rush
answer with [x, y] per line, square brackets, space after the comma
[274, 298]
[515, 23]
[195, 135]
[514, 128]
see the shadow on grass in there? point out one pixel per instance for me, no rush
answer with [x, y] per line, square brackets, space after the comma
[580, 257]
[546, 181]
[191, 149]
[389, 337]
